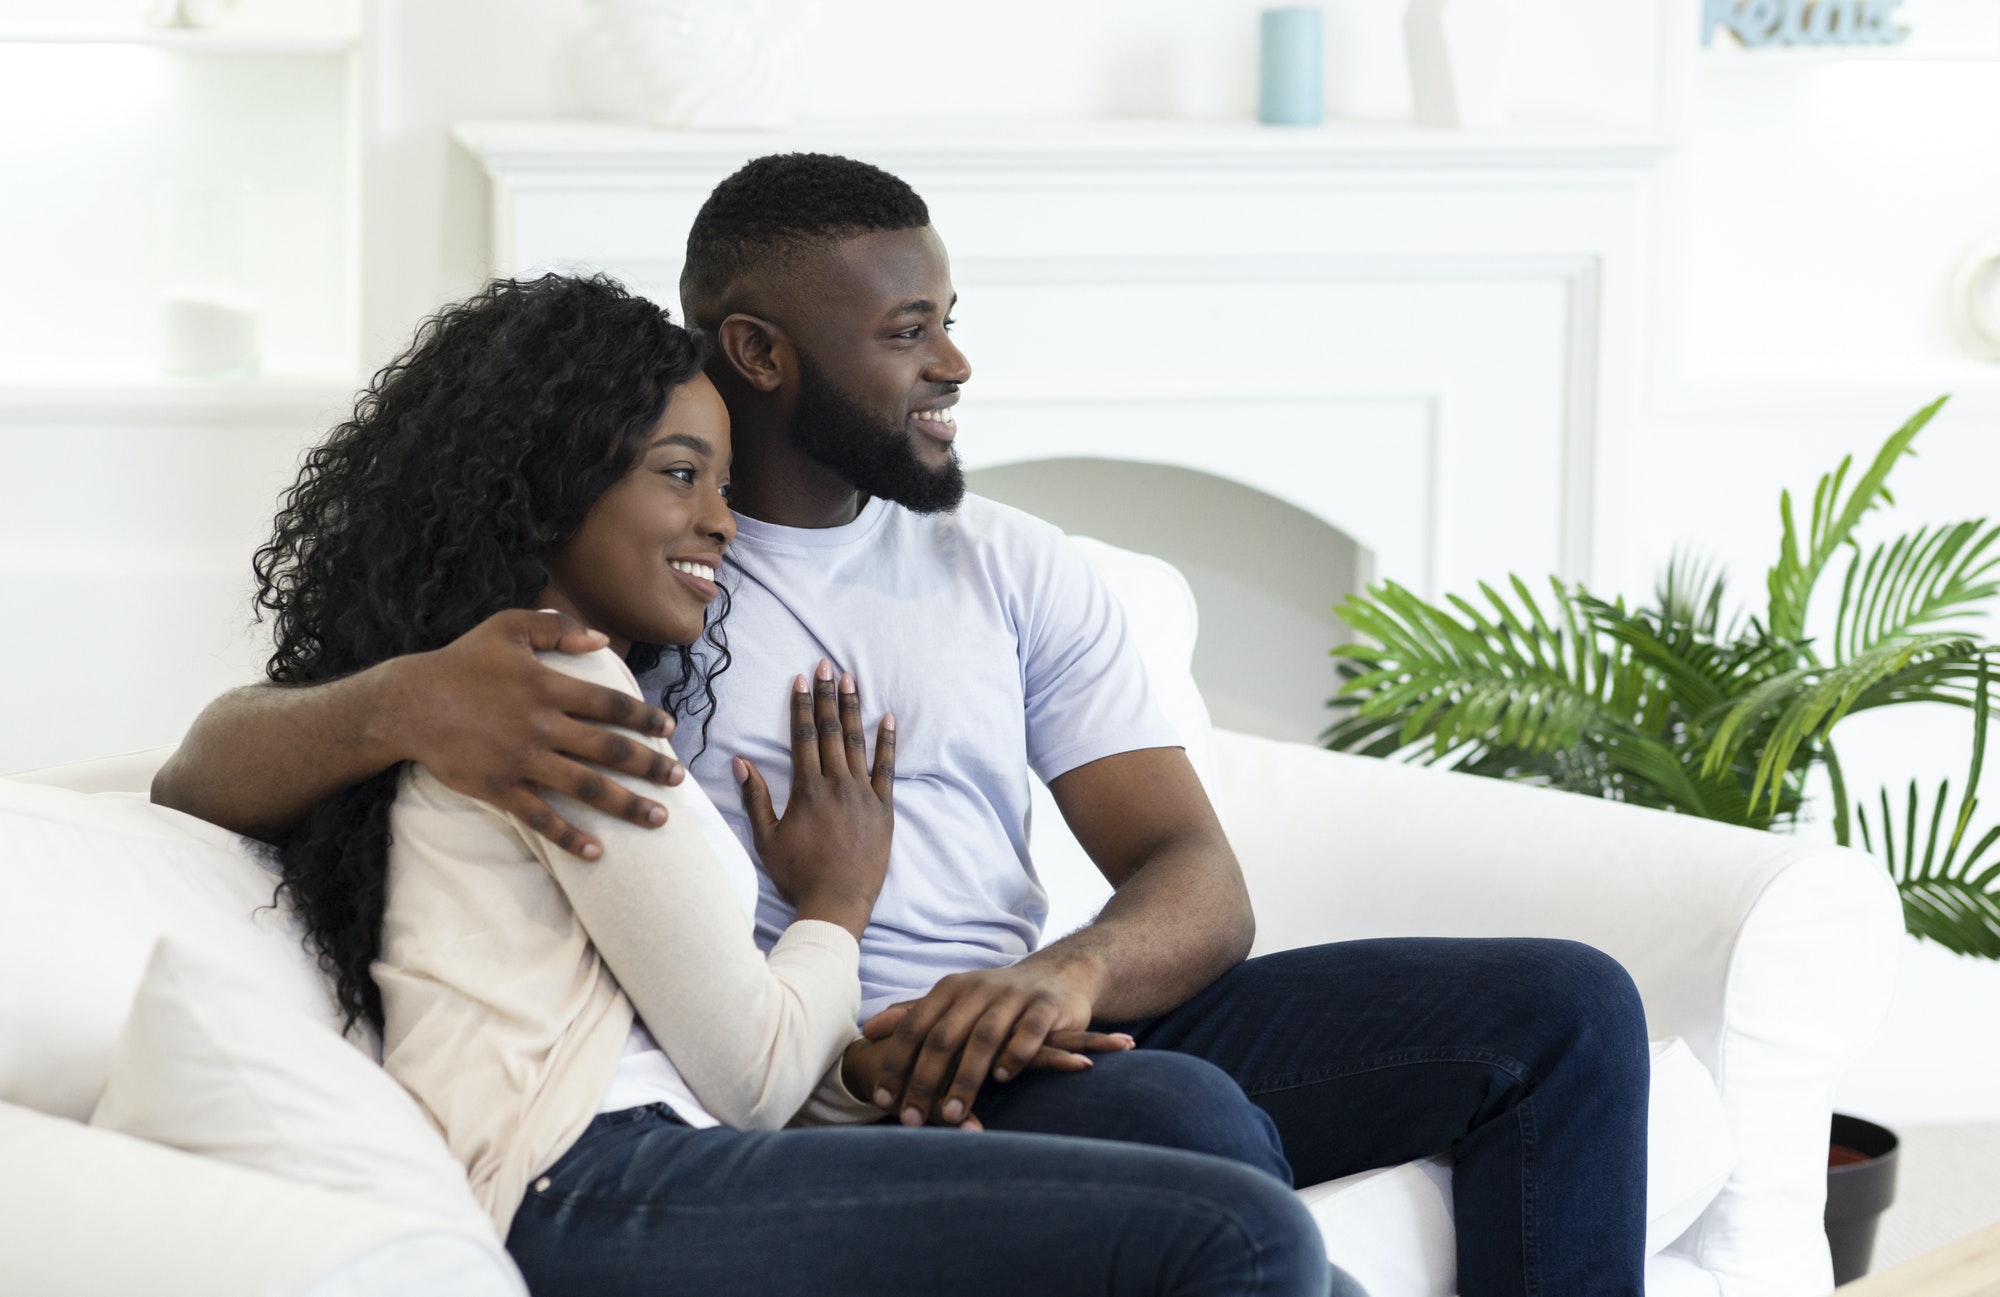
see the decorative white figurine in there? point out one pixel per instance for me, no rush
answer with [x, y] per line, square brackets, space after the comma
[1461, 60]
[715, 64]
[189, 13]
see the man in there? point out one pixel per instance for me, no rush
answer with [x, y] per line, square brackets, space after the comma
[828, 295]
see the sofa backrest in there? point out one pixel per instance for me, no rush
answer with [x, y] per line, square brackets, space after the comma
[1158, 606]
[128, 772]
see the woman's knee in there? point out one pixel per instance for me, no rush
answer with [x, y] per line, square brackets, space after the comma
[1173, 1100]
[1263, 1233]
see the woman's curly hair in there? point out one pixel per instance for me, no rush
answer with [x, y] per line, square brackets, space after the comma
[469, 461]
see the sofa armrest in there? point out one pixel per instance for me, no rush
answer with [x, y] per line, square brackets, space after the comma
[1774, 957]
[129, 772]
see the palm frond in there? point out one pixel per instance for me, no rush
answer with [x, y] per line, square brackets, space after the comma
[1703, 673]
[1689, 596]
[1502, 675]
[1833, 520]
[1944, 899]
[1914, 583]
[1790, 709]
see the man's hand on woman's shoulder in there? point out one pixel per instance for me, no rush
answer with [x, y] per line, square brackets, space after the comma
[491, 721]
[483, 713]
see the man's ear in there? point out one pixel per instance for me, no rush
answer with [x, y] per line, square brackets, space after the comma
[759, 351]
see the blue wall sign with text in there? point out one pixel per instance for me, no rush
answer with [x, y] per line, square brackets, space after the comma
[1804, 22]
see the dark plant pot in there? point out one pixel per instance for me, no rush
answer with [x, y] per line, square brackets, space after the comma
[1860, 1185]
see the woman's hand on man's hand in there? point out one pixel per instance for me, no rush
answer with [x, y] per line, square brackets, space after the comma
[866, 1066]
[829, 852]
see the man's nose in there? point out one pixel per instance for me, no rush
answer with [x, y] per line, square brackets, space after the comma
[951, 366]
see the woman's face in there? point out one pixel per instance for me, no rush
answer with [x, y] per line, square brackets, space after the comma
[642, 567]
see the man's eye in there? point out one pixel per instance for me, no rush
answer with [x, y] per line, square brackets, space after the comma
[948, 322]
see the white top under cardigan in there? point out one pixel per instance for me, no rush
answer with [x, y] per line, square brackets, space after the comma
[502, 1013]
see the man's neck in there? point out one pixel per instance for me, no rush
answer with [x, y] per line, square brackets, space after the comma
[774, 481]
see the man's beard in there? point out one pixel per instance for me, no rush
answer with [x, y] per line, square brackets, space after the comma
[876, 460]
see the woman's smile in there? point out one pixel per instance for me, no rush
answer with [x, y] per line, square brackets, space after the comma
[697, 572]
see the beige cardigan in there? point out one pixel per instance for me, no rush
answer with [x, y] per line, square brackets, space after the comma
[502, 1013]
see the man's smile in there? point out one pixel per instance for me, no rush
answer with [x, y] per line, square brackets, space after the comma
[939, 424]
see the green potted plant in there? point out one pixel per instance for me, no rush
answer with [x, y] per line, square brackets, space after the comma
[1682, 705]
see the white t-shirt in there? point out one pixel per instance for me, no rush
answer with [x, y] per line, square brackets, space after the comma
[1000, 652]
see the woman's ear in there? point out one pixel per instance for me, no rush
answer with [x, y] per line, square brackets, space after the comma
[759, 351]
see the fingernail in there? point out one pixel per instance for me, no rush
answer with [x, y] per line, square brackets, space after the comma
[591, 851]
[847, 682]
[656, 817]
[911, 1117]
[825, 670]
[1087, 1061]
[885, 1098]
[1002, 1074]
[799, 685]
[954, 1112]
[889, 722]
[1119, 1035]
[740, 768]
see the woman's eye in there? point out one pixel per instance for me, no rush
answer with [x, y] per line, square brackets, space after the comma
[682, 474]
[726, 491]
[948, 322]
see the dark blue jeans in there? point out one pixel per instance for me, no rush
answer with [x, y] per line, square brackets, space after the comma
[1525, 1060]
[644, 1204]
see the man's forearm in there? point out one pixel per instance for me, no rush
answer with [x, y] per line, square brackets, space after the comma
[1176, 925]
[258, 758]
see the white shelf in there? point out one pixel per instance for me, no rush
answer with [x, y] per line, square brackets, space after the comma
[189, 40]
[85, 392]
[1727, 54]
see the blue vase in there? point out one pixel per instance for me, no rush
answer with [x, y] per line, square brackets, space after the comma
[1289, 47]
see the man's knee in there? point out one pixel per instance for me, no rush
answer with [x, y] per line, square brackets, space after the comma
[1598, 990]
[1588, 1000]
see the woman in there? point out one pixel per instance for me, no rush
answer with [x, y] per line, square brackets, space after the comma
[601, 1043]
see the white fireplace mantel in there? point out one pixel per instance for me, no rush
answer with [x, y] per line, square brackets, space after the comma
[1429, 339]
[539, 154]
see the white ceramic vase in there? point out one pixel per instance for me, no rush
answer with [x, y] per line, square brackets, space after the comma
[703, 64]
[188, 13]
[1461, 60]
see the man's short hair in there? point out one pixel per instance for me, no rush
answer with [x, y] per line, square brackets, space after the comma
[777, 206]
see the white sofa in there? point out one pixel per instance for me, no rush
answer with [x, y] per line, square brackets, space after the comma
[1763, 961]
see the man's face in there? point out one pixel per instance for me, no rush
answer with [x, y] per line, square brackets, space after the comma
[878, 373]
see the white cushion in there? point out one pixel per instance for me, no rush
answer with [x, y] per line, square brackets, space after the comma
[1160, 611]
[1392, 1229]
[88, 884]
[209, 1064]
[1689, 1152]
[1159, 608]
[87, 1212]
